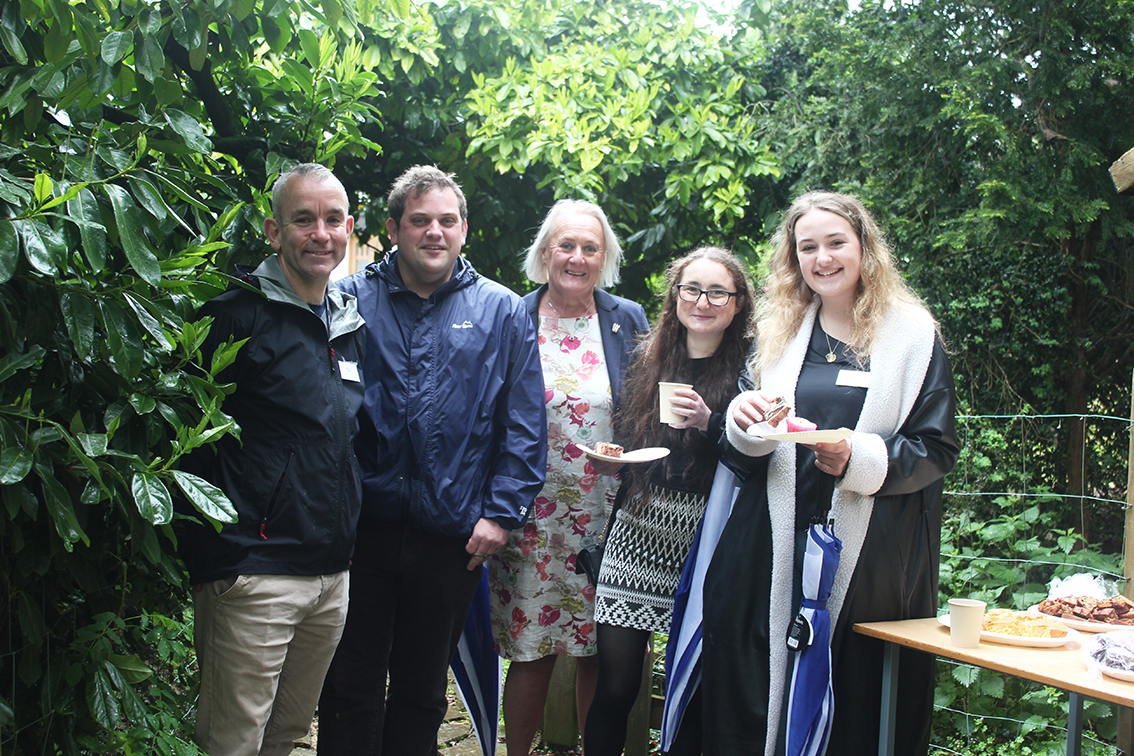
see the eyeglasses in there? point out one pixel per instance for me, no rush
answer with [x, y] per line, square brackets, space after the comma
[715, 297]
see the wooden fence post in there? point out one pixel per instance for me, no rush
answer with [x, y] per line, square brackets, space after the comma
[1125, 715]
[560, 718]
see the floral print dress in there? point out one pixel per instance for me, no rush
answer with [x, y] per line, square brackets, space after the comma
[539, 605]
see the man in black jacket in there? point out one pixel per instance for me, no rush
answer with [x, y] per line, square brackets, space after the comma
[270, 590]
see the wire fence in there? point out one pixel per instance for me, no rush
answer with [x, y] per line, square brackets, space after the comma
[1033, 497]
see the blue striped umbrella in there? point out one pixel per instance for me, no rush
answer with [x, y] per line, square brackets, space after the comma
[477, 671]
[812, 702]
[683, 649]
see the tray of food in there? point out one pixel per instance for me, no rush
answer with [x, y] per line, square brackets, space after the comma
[1029, 629]
[1092, 615]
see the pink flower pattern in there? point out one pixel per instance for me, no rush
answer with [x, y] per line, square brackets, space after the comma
[539, 605]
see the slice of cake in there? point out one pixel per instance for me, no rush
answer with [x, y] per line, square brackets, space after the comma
[777, 412]
[608, 450]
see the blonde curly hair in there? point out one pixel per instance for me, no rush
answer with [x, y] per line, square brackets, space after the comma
[881, 288]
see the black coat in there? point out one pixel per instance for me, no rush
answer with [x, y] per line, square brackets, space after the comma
[292, 475]
[895, 578]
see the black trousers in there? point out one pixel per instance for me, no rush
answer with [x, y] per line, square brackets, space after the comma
[409, 597]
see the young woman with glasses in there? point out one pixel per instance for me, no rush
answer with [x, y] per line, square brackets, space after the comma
[702, 337]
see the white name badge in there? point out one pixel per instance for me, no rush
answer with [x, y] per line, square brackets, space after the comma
[349, 371]
[856, 378]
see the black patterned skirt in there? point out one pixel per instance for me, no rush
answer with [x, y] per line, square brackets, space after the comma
[644, 556]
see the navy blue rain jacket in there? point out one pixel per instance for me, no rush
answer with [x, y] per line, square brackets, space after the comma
[453, 426]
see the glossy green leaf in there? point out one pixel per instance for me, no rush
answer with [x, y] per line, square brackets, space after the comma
[401, 7]
[81, 454]
[241, 9]
[277, 31]
[332, 11]
[79, 316]
[57, 40]
[132, 669]
[93, 234]
[183, 192]
[35, 250]
[152, 498]
[67, 195]
[15, 464]
[13, 45]
[9, 250]
[116, 46]
[101, 702]
[309, 41]
[150, 323]
[142, 403]
[207, 498]
[43, 187]
[131, 234]
[148, 56]
[11, 363]
[224, 356]
[62, 511]
[95, 444]
[188, 128]
[124, 337]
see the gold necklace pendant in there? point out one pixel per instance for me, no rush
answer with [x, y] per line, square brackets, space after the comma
[830, 349]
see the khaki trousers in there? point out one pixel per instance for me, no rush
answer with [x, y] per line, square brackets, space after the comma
[263, 643]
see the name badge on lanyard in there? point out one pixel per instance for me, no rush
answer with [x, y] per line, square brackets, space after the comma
[349, 371]
[855, 378]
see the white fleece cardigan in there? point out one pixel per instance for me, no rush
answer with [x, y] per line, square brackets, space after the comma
[899, 361]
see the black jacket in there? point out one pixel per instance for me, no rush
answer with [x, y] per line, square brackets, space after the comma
[292, 476]
[895, 577]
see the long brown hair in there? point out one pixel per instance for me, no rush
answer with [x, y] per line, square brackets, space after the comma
[664, 356]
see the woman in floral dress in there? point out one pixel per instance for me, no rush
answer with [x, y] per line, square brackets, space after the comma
[541, 608]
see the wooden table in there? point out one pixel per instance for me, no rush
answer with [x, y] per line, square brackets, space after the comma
[1061, 668]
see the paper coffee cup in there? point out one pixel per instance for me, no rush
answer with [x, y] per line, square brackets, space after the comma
[665, 393]
[965, 617]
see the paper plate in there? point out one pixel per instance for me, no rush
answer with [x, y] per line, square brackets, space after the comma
[1086, 626]
[763, 430]
[1117, 674]
[1022, 640]
[649, 454]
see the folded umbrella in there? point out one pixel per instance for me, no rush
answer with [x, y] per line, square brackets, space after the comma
[477, 671]
[812, 701]
[683, 650]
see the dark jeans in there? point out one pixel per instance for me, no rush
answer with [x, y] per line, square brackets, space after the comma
[409, 596]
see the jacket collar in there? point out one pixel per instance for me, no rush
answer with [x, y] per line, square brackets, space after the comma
[342, 307]
[387, 269]
[603, 300]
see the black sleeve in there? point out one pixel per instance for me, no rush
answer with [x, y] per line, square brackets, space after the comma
[925, 448]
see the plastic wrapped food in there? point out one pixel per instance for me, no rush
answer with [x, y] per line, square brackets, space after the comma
[1111, 654]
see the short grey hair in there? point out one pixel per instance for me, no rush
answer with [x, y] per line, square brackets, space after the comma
[313, 171]
[534, 267]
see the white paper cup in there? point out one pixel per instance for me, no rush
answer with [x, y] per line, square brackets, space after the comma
[965, 617]
[665, 393]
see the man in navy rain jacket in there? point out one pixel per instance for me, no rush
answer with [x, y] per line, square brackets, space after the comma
[452, 448]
